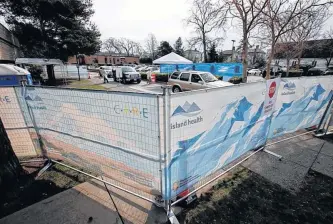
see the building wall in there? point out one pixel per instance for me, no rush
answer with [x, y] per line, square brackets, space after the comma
[9, 45]
[106, 60]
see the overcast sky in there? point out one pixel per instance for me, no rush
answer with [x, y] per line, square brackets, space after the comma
[135, 19]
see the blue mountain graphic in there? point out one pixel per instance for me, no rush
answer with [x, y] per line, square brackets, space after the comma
[326, 100]
[193, 108]
[285, 106]
[319, 90]
[186, 106]
[28, 98]
[243, 106]
[254, 119]
[289, 85]
[37, 98]
[179, 110]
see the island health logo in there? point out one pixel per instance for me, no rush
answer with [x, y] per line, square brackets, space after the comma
[288, 88]
[34, 102]
[187, 110]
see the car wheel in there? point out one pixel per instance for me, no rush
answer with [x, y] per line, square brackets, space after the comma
[139, 81]
[176, 89]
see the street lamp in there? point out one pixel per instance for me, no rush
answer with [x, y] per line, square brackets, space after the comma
[233, 50]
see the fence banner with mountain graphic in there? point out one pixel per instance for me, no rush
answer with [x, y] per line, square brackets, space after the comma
[210, 129]
[301, 103]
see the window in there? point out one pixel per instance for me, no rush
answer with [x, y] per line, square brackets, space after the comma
[195, 78]
[185, 77]
[175, 75]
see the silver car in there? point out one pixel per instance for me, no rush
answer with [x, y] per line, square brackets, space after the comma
[192, 80]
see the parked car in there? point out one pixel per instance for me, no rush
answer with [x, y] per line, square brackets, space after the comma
[254, 71]
[129, 75]
[316, 71]
[192, 80]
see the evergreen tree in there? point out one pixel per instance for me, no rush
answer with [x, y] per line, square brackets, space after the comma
[52, 29]
[179, 47]
[164, 48]
[212, 54]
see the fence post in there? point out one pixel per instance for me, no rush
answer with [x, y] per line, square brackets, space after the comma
[322, 121]
[32, 117]
[167, 147]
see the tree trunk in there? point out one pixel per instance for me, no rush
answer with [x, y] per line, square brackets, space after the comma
[10, 167]
[204, 47]
[244, 56]
[288, 65]
[269, 62]
[299, 56]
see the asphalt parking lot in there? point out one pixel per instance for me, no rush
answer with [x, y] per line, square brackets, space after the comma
[143, 87]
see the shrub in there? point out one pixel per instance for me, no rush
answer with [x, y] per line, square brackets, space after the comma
[143, 76]
[235, 80]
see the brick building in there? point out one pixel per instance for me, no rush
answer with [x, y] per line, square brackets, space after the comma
[9, 46]
[106, 59]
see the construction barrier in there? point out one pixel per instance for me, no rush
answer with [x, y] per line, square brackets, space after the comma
[160, 146]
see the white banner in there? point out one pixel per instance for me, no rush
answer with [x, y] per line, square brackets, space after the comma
[300, 104]
[211, 128]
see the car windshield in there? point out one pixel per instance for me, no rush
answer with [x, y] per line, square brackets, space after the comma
[208, 77]
[128, 69]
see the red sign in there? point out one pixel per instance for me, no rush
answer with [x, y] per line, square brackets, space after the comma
[272, 90]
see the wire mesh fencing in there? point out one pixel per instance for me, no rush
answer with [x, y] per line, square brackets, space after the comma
[111, 134]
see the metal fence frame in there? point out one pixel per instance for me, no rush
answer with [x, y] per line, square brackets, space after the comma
[164, 152]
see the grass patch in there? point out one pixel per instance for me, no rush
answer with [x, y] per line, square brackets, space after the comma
[249, 198]
[85, 84]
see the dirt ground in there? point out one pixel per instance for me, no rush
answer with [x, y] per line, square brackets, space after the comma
[30, 190]
[248, 198]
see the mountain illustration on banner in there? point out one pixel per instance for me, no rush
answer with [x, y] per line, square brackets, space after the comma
[289, 85]
[29, 98]
[187, 110]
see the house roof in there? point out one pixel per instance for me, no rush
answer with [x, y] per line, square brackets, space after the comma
[38, 61]
[227, 52]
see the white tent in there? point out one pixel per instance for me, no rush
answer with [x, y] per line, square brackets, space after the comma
[172, 58]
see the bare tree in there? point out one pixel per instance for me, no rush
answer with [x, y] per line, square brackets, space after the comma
[280, 17]
[127, 46]
[323, 48]
[121, 46]
[151, 45]
[249, 15]
[206, 16]
[111, 46]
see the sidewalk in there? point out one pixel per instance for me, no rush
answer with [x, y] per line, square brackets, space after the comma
[89, 202]
[299, 156]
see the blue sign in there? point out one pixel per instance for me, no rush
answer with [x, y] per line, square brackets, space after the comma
[225, 70]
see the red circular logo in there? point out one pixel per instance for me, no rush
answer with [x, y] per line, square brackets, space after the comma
[272, 90]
